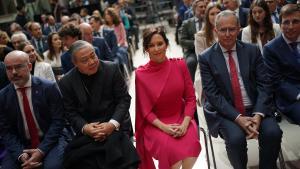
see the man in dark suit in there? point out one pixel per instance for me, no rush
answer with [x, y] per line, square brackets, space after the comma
[87, 35]
[107, 34]
[282, 57]
[237, 105]
[96, 100]
[3, 78]
[241, 13]
[38, 40]
[186, 37]
[31, 117]
[52, 26]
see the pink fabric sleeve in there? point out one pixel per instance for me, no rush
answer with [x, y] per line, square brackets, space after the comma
[151, 117]
[121, 35]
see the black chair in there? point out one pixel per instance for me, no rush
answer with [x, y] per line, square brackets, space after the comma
[207, 134]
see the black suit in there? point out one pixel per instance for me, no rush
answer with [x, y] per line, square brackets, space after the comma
[221, 113]
[97, 98]
[3, 78]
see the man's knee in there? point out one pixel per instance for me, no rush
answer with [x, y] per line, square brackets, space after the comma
[272, 133]
[236, 141]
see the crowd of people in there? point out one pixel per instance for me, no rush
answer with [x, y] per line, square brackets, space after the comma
[64, 101]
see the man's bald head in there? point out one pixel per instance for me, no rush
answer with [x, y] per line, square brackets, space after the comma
[86, 32]
[18, 67]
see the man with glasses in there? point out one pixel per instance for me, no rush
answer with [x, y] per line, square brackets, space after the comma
[96, 101]
[237, 105]
[31, 117]
[282, 57]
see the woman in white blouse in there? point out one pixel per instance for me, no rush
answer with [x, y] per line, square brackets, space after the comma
[53, 54]
[39, 67]
[260, 29]
[206, 37]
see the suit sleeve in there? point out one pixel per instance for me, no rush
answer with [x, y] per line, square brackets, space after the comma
[185, 40]
[121, 95]
[9, 136]
[212, 91]
[107, 53]
[277, 83]
[55, 107]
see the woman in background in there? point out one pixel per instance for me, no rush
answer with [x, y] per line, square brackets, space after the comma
[206, 37]
[53, 54]
[39, 67]
[260, 29]
[165, 106]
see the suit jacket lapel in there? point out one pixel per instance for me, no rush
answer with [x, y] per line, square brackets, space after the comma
[288, 54]
[243, 62]
[220, 65]
[79, 89]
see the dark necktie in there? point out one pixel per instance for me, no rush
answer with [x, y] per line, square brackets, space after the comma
[40, 46]
[294, 46]
[33, 131]
[236, 88]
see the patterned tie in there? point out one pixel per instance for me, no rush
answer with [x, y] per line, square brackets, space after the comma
[33, 131]
[275, 17]
[236, 88]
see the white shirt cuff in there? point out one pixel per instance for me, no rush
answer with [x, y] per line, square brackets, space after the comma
[262, 115]
[115, 123]
[298, 97]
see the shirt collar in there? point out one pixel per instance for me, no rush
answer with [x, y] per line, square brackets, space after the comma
[288, 41]
[27, 84]
[225, 50]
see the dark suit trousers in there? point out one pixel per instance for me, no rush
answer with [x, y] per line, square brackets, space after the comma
[191, 62]
[53, 159]
[293, 112]
[236, 144]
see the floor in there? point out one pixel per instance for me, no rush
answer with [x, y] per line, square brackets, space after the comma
[290, 140]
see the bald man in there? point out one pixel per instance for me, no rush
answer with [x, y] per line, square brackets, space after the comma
[99, 42]
[31, 117]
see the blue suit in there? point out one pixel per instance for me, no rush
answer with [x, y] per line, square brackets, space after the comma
[283, 69]
[47, 30]
[111, 40]
[105, 52]
[48, 111]
[219, 107]
[243, 16]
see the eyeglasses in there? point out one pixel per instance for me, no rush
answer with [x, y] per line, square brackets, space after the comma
[289, 22]
[227, 30]
[17, 67]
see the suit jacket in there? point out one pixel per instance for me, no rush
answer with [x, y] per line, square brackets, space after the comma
[47, 30]
[217, 84]
[104, 49]
[107, 99]
[243, 16]
[110, 38]
[44, 70]
[45, 45]
[187, 32]
[3, 78]
[48, 111]
[283, 69]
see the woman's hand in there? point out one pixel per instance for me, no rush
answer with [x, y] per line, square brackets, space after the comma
[182, 128]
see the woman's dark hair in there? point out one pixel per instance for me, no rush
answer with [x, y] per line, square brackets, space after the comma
[208, 27]
[112, 13]
[267, 22]
[51, 52]
[148, 34]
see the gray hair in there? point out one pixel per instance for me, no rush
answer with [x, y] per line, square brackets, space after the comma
[20, 35]
[78, 45]
[226, 13]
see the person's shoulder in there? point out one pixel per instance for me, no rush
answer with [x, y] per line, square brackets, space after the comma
[200, 34]
[42, 82]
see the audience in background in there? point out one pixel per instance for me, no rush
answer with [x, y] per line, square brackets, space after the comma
[39, 68]
[261, 29]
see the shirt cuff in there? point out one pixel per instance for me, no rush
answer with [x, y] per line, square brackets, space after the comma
[237, 117]
[261, 114]
[298, 97]
[82, 129]
[115, 123]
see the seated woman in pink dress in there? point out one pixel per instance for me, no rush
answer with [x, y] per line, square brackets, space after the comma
[165, 105]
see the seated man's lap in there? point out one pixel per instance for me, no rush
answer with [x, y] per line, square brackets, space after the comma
[53, 159]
